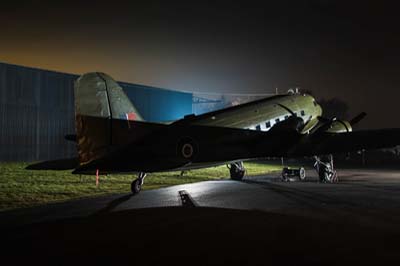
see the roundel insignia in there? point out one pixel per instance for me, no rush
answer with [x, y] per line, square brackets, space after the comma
[187, 148]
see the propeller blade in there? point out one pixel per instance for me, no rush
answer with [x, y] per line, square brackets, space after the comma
[358, 118]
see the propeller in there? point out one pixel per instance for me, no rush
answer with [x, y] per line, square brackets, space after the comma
[357, 118]
[326, 123]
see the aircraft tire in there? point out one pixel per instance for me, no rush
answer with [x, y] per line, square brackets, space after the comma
[136, 186]
[236, 174]
[302, 174]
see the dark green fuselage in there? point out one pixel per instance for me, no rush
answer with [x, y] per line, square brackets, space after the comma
[264, 114]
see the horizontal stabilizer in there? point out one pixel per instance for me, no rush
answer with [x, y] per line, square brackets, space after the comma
[61, 164]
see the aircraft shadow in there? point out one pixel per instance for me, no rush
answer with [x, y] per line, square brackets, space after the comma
[113, 204]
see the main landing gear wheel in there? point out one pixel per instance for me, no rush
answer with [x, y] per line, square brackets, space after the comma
[236, 170]
[288, 173]
[325, 169]
[302, 174]
[136, 184]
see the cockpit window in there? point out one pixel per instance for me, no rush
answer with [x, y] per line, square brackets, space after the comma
[315, 103]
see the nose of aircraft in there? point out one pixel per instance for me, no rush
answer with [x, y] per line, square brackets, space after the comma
[317, 108]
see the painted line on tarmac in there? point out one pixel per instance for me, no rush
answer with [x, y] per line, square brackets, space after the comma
[186, 199]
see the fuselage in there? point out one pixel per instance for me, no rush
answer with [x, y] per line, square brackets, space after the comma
[263, 114]
[214, 138]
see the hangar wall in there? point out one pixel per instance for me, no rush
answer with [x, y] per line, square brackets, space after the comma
[37, 111]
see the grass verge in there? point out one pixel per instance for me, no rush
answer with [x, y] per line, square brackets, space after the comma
[24, 188]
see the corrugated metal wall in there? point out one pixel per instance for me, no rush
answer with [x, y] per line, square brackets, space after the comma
[156, 104]
[37, 110]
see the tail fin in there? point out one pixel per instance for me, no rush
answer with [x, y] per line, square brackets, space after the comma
[98, 100]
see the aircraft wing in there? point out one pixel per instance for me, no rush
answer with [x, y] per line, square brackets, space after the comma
[330, 143]
[60, 164]
[164, 149]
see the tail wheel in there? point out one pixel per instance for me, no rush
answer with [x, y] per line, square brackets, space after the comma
[136, 186]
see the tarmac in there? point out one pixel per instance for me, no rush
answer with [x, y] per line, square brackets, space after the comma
[260, 220]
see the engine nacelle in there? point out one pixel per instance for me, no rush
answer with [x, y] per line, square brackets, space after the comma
[339, 126]
[292, 123]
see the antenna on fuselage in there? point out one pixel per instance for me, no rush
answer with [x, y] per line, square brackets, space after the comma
[292, 91]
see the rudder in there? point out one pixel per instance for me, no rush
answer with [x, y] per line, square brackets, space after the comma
[99, 100]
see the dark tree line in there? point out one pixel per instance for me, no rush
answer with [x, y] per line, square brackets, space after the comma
[333, 107]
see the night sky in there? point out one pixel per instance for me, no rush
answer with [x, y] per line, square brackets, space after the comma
[334, 48]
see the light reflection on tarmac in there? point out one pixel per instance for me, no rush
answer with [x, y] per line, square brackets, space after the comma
[370, 197]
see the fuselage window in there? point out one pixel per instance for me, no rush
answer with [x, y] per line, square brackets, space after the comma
[302, 113]
[268, 124]
[286, 117]
[315, 103]
[258, 127]
[277, 120]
